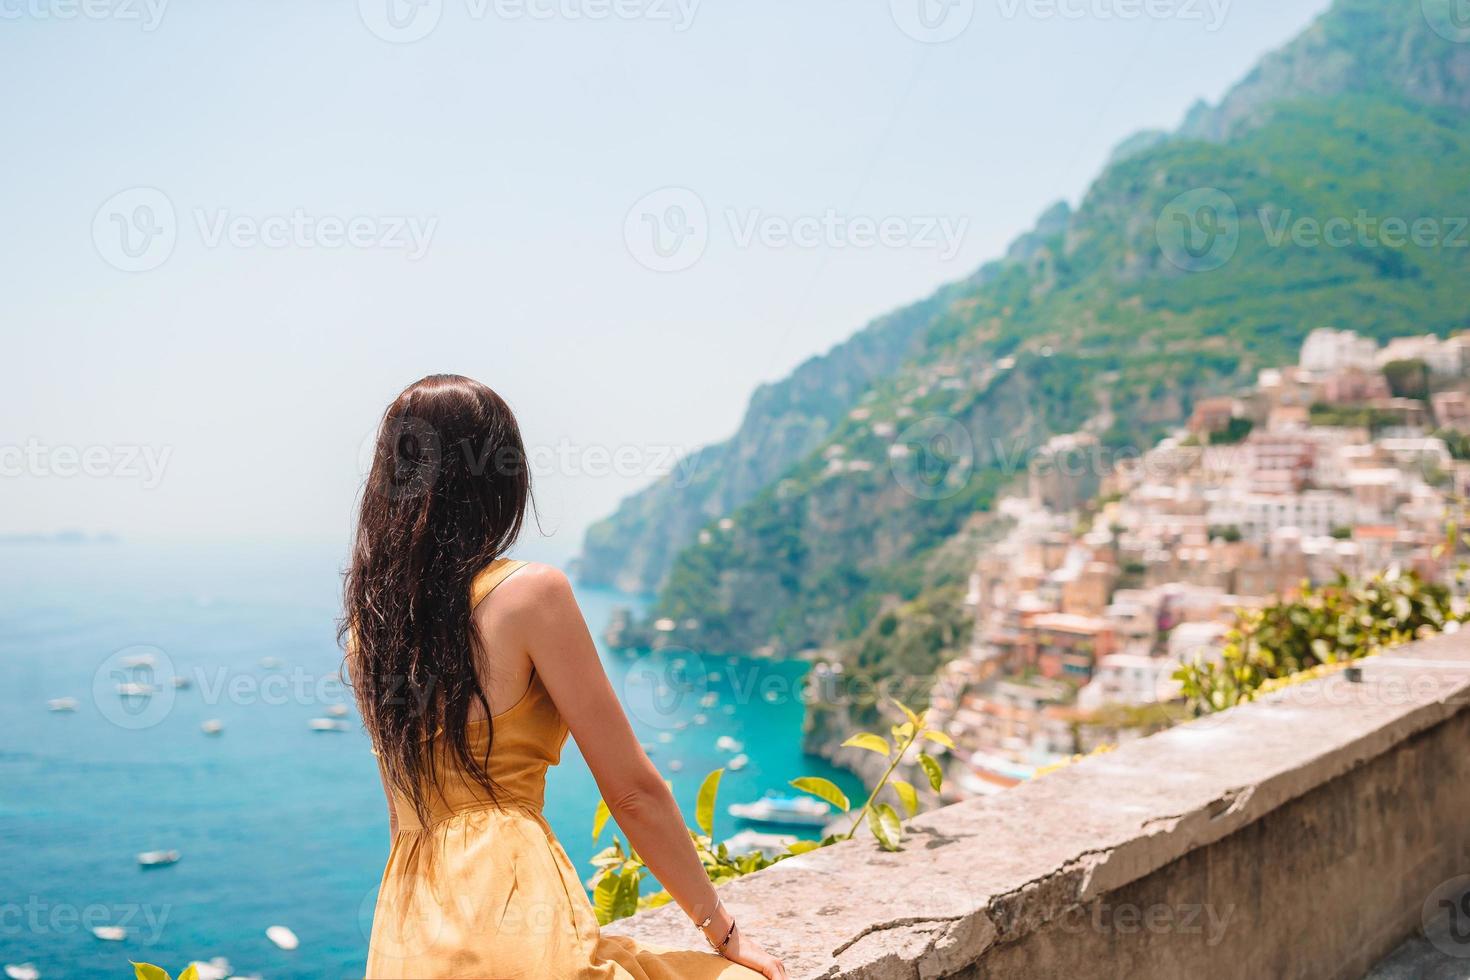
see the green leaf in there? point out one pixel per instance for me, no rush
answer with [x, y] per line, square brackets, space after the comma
[884, 823]
[939, 738]
[192, 973]
[913, 718]
[902, 733]
[869, 741]
[802, 846]
[704, 806]
[599, 818]
[616, 896]
[147, 971]
[907, 795]
[823, 789]
[932, 770]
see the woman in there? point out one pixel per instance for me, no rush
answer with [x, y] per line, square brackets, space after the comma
[470, 670]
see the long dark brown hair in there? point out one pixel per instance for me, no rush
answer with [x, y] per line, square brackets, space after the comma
[446, 495]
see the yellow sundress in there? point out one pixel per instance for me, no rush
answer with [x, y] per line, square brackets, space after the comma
[484, 890]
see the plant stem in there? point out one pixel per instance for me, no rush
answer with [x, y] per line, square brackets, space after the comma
[897, 758]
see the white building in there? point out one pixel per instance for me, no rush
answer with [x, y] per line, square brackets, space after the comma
[1259, 515]
[1328, 351]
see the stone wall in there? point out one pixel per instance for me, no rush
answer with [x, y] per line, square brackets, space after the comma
[1299, 836]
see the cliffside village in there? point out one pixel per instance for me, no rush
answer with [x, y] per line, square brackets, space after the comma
[1113, 571]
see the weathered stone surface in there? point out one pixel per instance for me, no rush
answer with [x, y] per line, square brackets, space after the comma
[1311, 825]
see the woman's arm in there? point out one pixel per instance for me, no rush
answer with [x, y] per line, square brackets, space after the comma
[539, 610]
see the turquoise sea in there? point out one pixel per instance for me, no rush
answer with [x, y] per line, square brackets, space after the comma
[276, 824]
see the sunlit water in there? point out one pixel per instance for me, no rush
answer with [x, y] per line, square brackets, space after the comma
[275, 823]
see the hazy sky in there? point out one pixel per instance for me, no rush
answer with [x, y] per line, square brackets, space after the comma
[234, 230]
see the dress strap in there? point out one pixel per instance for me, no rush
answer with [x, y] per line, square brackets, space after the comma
[492, 575]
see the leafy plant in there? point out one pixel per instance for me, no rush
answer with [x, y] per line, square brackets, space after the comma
[1327, 625]
[147, 971]
[617, 884]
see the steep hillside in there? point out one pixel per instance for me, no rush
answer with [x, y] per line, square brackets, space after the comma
[1187, 266]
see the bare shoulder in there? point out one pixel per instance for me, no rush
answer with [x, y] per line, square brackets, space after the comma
[535, 588]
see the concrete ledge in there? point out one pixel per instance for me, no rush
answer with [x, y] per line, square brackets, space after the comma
[1298, 836]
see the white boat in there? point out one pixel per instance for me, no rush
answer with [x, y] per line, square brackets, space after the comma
[132, 689]
[158, 859]
[727, 744]
[710, 699]
[701, 718]
[738, 763]
[140, 660]
[270, 663]
[750, 841]
[337, 710]
[111, 934]
[665, 737]
[282, 937]
[675, 765]
[789, 811]
[327, 725]
[61, 704]
[217, 968]
[212, 727]
[22, 971]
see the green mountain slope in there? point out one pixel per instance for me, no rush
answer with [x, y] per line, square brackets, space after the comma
[1186, 268]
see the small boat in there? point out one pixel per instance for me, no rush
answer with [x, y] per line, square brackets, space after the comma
[61, 705]
[111, 934]
[270, 663]
[337, 710]
[327, 725]
[701, 719]
[22, 971]
[217, 968]
[282, 937]
[212, 727]
[665, 737]
[751, 841]
[772, 697]
[727, 744]
[132, 689]
[789, 811]
[738, 763]
[675, 765]
[140, 660]
[182, 683]
[158, 859]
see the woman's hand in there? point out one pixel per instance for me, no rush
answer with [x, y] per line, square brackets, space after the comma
[747, 953]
